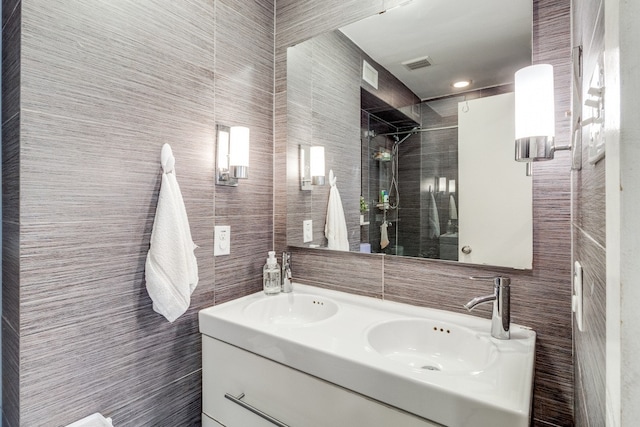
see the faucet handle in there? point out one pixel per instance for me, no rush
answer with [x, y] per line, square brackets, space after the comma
[497, 280]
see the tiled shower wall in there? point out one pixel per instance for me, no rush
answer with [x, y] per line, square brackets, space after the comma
[589, 231]
[91, 92]
[541, 298]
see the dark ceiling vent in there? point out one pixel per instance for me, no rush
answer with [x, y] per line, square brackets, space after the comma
[416, 64]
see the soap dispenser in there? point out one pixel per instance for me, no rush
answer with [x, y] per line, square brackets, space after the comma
[271, 275]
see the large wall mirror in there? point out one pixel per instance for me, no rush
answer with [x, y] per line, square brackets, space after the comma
[423, 168]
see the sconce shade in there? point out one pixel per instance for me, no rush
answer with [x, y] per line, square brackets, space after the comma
[316, 154]
[442, 184]
[239, 152]
[232, 155]
[534, 101]
[534, 113]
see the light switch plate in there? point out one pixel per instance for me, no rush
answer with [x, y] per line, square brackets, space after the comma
[307, 231]
[577, 294]
[222, 240]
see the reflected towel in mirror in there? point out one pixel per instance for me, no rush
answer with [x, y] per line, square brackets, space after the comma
[384, 237]
[453, 210]
[335, 228]
[434, 218]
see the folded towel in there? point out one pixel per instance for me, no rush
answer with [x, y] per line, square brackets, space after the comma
[171, 269]
[434, 218]
[384, 238]
[335, 228]
[453, 210]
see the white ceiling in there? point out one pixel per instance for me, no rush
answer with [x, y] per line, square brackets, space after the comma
[486, 41]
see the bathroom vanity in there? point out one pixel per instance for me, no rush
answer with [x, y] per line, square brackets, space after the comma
[316, 357]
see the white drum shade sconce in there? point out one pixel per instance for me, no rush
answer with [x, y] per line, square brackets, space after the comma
[535, 114]
[232, 157]
[311, 166]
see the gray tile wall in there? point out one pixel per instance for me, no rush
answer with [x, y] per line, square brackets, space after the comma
[91, 91]
[541, 297]
[589, 233]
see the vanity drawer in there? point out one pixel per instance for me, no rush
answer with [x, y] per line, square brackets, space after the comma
[290, 396]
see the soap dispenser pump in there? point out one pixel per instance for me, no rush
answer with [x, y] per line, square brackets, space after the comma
[271, 275]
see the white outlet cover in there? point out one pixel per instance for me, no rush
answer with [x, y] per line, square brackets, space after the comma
[222, 240]
[307, 231]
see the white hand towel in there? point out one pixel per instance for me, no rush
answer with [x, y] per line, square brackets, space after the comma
[384, 237]
[453, 210]
[171, 269]
[434, 218]
[335, 227]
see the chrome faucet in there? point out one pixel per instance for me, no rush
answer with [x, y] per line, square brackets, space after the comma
[286, 285]
[501, 317]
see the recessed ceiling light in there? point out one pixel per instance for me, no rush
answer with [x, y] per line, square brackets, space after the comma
[461, 84]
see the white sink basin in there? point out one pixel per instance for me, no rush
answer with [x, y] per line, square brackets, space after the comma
[291, 309]
[455, 375]
[426, 344]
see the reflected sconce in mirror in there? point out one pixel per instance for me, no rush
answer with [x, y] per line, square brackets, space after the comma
[452, 186]
[535, 114]
[232, 159]
[311, 166]
[442, 184]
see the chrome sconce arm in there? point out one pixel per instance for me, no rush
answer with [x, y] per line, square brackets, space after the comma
[537, 148]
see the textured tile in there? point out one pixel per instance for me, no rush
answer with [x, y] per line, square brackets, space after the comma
[244, 45]
[183, 406]
[10, 221]
[343, 271]
[8, 9]
[297, 21]
[11, 50]
[10, 375]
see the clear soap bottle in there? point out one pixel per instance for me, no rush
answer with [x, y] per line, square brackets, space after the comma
[271, 275]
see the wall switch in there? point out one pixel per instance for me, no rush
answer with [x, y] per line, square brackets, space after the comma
[222, 240]
[576, 300]
[307, 231]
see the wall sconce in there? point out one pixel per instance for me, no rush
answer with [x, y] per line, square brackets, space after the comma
[232, 160]
[452, 186]
[535, 114]
[442, 184]
[311, 167]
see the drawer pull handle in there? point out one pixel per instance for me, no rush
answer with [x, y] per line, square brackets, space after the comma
[238, 400]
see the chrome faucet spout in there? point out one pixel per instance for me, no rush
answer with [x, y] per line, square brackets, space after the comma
[286, 276]
[501, 298]
[479, 300]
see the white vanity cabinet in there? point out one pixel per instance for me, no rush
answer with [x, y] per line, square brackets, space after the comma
[292, 397]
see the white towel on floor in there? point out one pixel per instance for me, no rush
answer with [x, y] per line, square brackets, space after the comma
[171, 270]
[335, 227]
